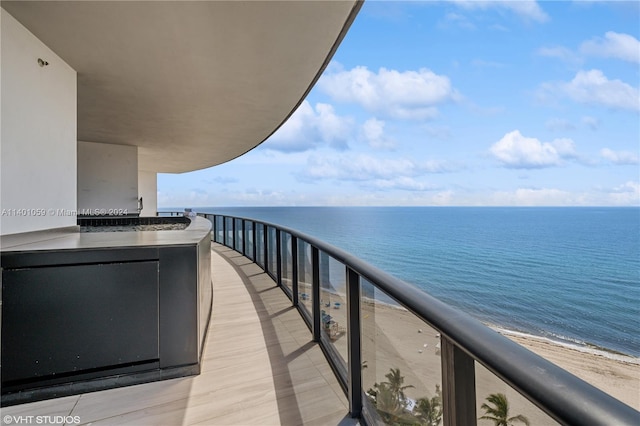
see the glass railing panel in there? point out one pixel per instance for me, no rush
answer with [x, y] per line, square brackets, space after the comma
[237, 238]
[286, 261]
[305, 278]
[401, 368]
[333, 307]
[248, 237]
[272, 260]
[229, 231]
[260, 245]
[499, 403]
[219, 231]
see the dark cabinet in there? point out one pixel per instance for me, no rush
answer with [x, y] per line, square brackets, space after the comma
[61, 321]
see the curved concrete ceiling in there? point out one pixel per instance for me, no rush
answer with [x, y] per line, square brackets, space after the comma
[192, 84]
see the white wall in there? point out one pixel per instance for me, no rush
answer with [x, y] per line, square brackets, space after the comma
[148, 190]
[107, 178]
[38, 136]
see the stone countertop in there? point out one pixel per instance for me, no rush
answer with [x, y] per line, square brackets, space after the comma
[72, 239]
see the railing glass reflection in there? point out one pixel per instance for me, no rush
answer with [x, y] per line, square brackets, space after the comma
[401, 374]
[248, 238]
[272, 260]
[219, 229]
[228, 223]
[286, 264]
[333, 308]
[493, 394]
[305, 279]
[238, 236]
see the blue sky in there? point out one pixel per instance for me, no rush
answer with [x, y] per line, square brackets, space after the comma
[462, 103]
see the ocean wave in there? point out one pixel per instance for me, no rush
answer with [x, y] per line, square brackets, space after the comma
[570, 343]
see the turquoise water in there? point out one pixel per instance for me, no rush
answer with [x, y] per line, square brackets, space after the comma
[569, 274]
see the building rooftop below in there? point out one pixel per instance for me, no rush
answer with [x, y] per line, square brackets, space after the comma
[260, 367]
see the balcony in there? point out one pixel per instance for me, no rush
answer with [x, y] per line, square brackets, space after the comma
[402, 356]
[259, 366]
[304, 333]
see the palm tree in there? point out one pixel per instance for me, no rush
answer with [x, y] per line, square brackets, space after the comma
[396, 385]
[499, 412]
[390, 400]
[429, 410]
[386, 403]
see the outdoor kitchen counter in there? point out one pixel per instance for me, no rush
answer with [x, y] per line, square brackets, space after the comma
[89, 311]
[70, 238]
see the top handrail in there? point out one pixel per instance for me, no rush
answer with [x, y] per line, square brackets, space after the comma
[563, 396]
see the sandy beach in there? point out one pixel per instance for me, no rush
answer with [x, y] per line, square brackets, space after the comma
[395, 338]
[617, 375]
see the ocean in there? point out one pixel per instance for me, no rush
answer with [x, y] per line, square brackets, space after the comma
[571, 275]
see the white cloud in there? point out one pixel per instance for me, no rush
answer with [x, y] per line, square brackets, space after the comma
[613, 45]
[443, 198]
[309, 127]
[594, 88]
[195, 197]
[564, 147]
[561, 53]
[517, 151]
[524, 8]
[365, 167]
[221, 180]
[406, 191]
[373, 134]
[627, 194]
[404, 183]
[257, 196]
[411, 95]
[535, 197]
[620, 157]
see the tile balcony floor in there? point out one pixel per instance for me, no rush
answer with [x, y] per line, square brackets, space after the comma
[260, 368]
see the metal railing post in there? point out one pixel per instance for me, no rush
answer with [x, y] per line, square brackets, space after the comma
[233, 233]
[354, 348]
[244, 237]
[458, 385]
[294, 270]
[315, 290]
[265, 242]
[224, 231]
[254, 243]
[278, 259]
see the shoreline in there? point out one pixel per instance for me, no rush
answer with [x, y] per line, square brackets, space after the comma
[616, 375]
[585, 347]
[403, 341]
[395, 338]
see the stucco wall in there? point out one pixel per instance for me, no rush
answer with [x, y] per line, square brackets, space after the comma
[38, 137]
[107, 178]
[148, 190]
